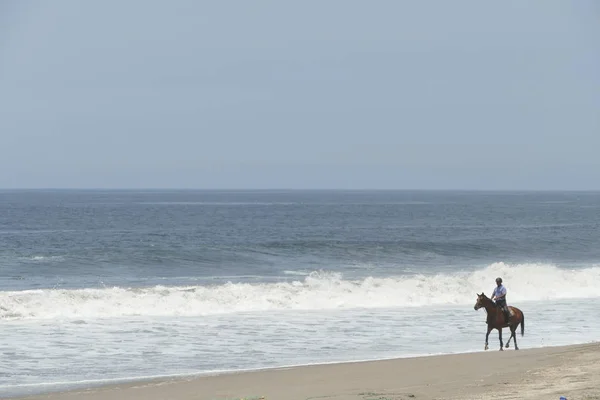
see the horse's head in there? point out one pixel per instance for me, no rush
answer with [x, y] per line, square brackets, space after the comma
[480, 301]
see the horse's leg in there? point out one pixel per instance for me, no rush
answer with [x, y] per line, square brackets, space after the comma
[489, 329]
[500, 337]
[512, 334]
[514, 330]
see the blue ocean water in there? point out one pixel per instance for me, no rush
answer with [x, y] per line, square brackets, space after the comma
[115, 285]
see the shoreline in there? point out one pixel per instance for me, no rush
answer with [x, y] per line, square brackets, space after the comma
[93, 384]
[562, 371]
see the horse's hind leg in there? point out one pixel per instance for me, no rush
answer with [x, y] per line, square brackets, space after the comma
[512, 334]
[489, 329]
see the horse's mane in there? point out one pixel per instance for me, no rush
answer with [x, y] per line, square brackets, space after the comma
[488, 300]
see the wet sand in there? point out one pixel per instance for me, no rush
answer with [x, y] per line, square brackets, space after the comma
[547, 373]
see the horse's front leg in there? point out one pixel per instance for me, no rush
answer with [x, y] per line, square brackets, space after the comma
[489, 329]
[500, 337]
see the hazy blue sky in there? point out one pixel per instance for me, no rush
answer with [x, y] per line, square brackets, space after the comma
[304, 94]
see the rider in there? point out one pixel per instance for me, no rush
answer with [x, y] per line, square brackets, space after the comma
[499, 296]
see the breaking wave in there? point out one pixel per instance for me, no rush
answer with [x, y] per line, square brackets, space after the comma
[317, 291]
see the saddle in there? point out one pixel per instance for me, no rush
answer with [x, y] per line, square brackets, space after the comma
[507, 308]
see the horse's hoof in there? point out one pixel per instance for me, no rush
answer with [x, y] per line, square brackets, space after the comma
[501, 349]
[516, 348]
[485, 348]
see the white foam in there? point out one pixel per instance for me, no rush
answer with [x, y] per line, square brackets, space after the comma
[44, 258]
[297, 273]
[317, 291]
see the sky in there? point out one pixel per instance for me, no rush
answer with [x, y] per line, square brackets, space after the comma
[314, 94]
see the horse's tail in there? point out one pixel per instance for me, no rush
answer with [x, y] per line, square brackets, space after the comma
[522, 324]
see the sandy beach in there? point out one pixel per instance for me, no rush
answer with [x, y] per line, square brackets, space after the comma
[545, 373]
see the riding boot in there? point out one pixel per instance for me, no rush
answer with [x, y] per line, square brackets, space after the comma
[506, 316]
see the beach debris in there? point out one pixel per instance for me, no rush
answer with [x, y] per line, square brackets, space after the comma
[385, 396]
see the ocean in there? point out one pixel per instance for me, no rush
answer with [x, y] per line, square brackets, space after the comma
[110, 286]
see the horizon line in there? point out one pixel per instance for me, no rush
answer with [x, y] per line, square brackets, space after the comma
[288, 189]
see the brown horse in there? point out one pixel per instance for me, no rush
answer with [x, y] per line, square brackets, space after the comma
[495, 320]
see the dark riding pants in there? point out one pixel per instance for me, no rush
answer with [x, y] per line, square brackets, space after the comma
[502, 304]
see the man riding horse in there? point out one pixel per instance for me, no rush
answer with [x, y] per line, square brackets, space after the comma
[499, 296]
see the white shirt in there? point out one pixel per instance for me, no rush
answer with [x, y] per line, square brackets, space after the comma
[499, 291]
